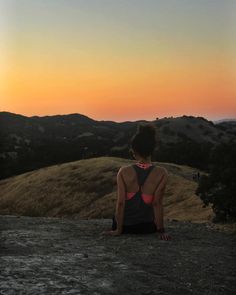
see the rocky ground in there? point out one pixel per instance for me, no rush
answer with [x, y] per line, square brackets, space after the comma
[63, 256]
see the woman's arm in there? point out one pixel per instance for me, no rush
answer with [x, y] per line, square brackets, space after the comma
[158, 202]
[120, 204]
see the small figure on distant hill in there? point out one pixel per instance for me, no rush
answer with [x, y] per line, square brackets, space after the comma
[198, 175]
[140, 190]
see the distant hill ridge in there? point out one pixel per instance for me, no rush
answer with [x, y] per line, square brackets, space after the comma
[29, 143]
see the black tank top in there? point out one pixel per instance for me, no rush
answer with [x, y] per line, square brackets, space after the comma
[136, 210]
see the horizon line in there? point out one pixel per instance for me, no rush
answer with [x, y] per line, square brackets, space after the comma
[149, 120]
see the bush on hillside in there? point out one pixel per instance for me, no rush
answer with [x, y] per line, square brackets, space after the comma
[184, 152]
[219, 187]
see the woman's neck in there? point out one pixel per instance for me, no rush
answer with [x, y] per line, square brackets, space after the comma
[144, 161]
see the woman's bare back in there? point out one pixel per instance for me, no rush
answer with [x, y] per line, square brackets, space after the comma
[130, 179]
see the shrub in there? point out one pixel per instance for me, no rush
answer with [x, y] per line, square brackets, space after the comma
[219, 187]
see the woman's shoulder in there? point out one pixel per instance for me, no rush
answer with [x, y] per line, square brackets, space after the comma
[161, 170]
[125, 168]
[156, 167]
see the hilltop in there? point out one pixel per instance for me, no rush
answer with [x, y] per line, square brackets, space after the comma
[87, 189]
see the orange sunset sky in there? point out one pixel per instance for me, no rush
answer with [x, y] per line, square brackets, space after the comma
[119, 60]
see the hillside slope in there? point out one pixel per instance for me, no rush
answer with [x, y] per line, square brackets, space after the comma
[87, 189]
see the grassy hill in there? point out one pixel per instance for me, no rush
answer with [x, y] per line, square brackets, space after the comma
[87, 189]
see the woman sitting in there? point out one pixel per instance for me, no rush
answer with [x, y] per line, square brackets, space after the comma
[140, 190]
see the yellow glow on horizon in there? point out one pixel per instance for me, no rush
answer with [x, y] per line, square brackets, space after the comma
[116, 86]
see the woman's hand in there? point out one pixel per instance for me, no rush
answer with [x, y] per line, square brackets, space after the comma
[164, 236]
[112, 232]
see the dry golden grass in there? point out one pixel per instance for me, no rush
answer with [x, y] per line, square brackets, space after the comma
[87, 189]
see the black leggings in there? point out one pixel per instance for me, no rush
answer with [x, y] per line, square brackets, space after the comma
[140, 228]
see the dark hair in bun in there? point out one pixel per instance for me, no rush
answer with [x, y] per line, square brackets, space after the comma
[144, 141]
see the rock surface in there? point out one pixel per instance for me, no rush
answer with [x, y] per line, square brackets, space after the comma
[63, 256]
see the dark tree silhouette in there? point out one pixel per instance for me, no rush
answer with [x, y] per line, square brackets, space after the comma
[219, 187]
